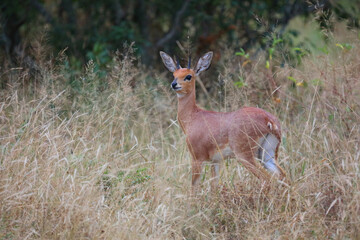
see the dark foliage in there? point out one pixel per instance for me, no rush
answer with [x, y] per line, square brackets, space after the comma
[94, 29]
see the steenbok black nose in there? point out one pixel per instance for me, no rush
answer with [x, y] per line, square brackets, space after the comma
[173, 84]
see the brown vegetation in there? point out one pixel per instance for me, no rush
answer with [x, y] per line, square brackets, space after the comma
[109, 160]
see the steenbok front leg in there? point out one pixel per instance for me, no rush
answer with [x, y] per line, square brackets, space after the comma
[215, 172]
[196, 168]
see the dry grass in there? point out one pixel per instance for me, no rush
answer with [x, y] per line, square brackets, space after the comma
[108, 161]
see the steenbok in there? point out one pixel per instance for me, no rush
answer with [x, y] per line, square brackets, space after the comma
[250, 134]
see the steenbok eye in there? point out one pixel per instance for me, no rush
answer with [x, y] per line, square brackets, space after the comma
[188, 78]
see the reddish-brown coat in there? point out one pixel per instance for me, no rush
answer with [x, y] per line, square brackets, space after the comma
[215, 135]
[207, 132]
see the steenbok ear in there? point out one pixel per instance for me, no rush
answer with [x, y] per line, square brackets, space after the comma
[168, 61]
[203, 63]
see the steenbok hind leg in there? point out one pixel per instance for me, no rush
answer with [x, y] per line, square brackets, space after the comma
[249, 162]
[283, 173]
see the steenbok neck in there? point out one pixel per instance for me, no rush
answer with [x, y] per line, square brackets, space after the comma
[186, 108]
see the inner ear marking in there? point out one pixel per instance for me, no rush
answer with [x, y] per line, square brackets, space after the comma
[204, 63]
[168, 61]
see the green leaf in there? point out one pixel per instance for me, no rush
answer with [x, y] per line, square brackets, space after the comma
[240, 83]
[271, 51]
[324, 50]
[340, 46]
[302, 84]
[347, 46]
[296, 49]
[292, 79]
[303, 168]
[242, 53]
[276, 41]
[344, 46]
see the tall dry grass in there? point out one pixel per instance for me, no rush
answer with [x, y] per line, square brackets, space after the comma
[107, 160]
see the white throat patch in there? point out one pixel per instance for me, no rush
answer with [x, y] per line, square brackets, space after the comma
[179, 95]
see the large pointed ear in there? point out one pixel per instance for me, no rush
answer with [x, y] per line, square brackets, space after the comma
[168, 61]
[203, 63]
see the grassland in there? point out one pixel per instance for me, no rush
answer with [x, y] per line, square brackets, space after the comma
[102, 157]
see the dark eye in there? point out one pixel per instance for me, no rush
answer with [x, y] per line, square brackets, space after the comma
[188, 78]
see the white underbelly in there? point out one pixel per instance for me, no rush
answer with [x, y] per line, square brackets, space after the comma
[223, 153]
